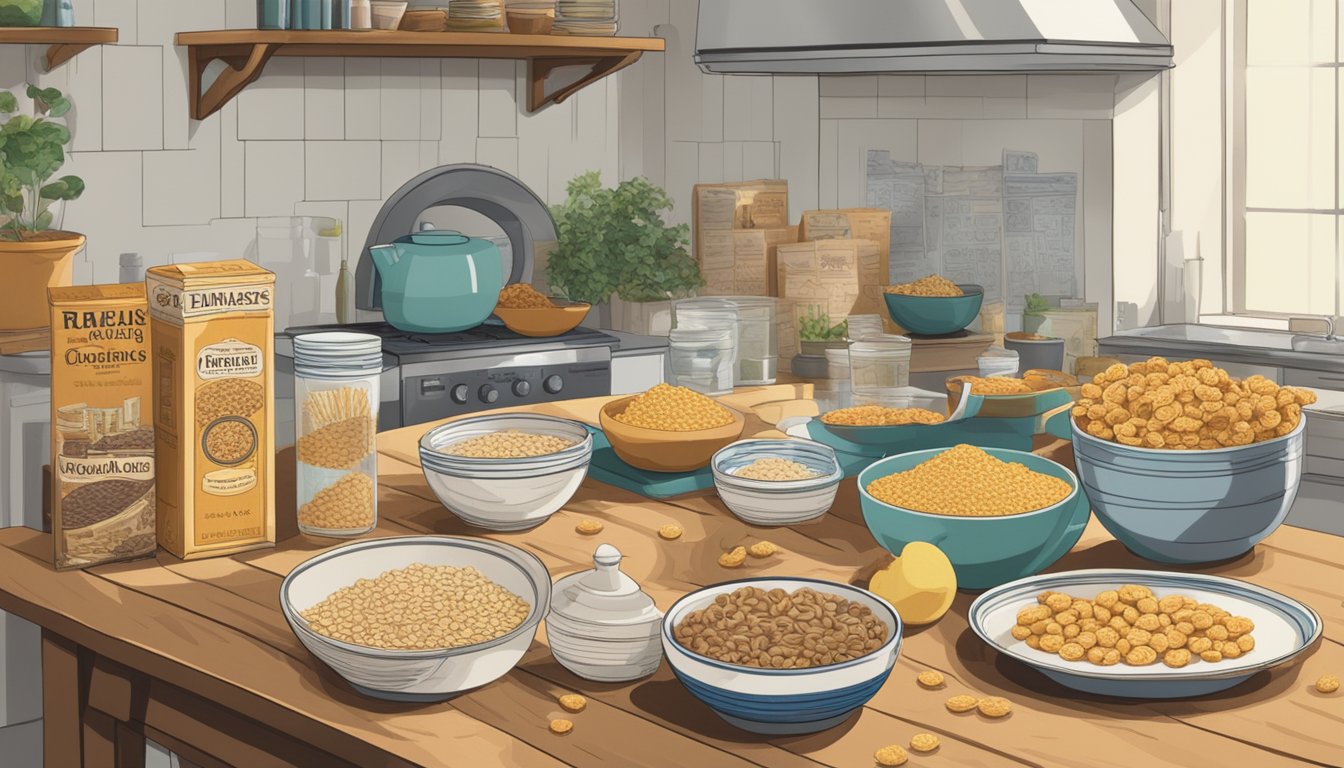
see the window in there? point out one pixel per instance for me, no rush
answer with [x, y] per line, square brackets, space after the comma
[1286, 200]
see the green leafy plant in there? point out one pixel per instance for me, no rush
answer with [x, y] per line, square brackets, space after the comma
[32, 150]
[816, 326]
[1036, 305]
[20, 13]
[614, 241]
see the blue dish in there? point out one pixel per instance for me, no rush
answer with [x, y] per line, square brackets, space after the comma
[1284, 630]
[1191, 506]
[985, 551]
[935, 315]
[783, 702]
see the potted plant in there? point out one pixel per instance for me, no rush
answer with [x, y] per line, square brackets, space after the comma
[20, 13]
[1033, 315]
[33, 249]
[614, 246]
[816, 334]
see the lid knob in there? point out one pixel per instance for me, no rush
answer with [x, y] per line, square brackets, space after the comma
[607, 556]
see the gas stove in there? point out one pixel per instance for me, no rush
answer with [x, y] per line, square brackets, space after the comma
[432, 376]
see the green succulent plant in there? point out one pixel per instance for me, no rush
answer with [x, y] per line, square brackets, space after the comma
[20, 13]
[816, 326]
[1036, 305]
[614, 241]
[32, 150]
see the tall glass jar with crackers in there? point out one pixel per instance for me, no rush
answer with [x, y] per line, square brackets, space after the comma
[336, 397]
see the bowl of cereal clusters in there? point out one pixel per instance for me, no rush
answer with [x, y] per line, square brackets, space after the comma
[805, 653]
[777, 482]
[418, 618]
[669, 429]
[529, 312]
[506, 472]
[1144, 634]
[997, 514]
[1184, 464]
[933, 305]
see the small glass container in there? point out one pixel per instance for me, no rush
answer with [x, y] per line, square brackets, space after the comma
[757, 340]
[997, 361]
[878, 363]
[709, 314]
[702, 360]
[864, 325]
[602, 626]
[336, 397]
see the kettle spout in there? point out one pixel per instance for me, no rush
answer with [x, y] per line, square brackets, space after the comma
[384, 256]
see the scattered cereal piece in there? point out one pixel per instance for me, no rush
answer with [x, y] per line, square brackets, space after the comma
[995, 706]
[924, 742]
[1328, 684]
[589, 527]
[762, 549]
[930, 678]
[670, 532]
[734, 558]
[962, 703]
[560, 726]
[891, 755]
[573, 702]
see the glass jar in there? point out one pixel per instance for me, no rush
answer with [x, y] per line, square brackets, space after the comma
[702, 360]
[834, 393]
[864, 325]
[881, 362]
[997, 361]
[709, 314]
[336, 397]
[757, 340]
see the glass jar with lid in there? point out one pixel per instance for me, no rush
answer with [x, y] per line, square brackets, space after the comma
[336, 394]
[709, 314]
[860, 326]
[880, 362]
[701, 360]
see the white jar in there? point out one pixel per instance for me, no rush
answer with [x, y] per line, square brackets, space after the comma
[336, 416]
[602, 626]
[997, 361]
[880, 362]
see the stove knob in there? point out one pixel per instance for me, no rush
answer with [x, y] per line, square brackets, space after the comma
[522, 388]
[488, 394]
[553, 384]
[460, 393]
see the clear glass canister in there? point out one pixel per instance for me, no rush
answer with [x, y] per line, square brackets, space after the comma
[709, 314]
[879, 362]
[861, 326]
[336, 402]
[757, 340]
[702, 360]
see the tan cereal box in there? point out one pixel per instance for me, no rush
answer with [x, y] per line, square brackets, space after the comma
[214, 395]
[102, 452]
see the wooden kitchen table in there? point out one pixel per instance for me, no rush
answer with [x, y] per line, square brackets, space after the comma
[197, 656]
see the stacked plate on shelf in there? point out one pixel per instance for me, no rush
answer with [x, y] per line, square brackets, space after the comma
[475, 15]
[585, 17]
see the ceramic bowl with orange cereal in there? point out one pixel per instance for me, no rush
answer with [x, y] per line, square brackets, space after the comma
[1284, 630]
[669, 428]
[1184, 464]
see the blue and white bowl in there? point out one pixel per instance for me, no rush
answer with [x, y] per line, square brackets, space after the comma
[1190, 506]
[783, 701]
[777, 502]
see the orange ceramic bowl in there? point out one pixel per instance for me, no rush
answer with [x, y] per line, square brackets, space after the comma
[661, 450]
[564, 317]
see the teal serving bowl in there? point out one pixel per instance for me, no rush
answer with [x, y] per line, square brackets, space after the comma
[935, 315]
[985, 551]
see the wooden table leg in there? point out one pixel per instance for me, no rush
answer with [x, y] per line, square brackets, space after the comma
[100, 740]
[62, 709]
[130, 747]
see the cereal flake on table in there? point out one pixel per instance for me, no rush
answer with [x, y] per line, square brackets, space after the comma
[507, 444]
[1186, 406]
[674, 409]
[763, 549]
[589, 527]
[560, 726]
[965, 481]
[573, 702]
[778, 469]
[929, 285]
[930, 678]
[961, 703]
[924, 742]
[891, 755]
[1327, 684]
[994, 706]
[670, 532]
[733, 558]
[880, 416]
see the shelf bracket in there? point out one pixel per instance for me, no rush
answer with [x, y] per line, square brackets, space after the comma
[60, 53]
[242, 67]
[552, 80]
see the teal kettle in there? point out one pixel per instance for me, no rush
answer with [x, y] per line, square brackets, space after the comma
[438, 281]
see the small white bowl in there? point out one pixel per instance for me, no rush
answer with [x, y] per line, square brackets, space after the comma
[506, 494]
[431, 675]
[387, 13]
[777, 502]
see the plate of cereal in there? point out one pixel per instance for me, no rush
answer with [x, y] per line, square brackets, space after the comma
[917, 423]
[1144, 634]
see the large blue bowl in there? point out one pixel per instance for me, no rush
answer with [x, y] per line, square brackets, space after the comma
[935, 315]
[1191, 506]
[985, 551]
[783, 701]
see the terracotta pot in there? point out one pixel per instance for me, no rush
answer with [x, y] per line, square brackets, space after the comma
[30, 266]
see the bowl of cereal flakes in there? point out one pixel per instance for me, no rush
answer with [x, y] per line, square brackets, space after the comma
[1184, 464]
[418, 618]
[669, 428]
[997, 514]
[529, 312]
[933, 305]
[810, 652]
[506, 472]
[777, 482]
[1144, 634]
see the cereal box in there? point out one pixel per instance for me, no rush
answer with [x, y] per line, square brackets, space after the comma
[102, 454]
[214, 394]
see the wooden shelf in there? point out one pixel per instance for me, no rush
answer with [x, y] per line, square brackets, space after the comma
[557, 65]
[64, 42]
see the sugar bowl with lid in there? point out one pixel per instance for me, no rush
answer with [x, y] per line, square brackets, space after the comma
[602, 626]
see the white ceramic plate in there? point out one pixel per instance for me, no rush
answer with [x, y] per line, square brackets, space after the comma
[1284, 630]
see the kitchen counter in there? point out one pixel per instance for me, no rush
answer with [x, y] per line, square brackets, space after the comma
[1234, 345]
[197, 656]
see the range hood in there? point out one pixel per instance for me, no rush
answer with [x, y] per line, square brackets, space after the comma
[831, 37]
